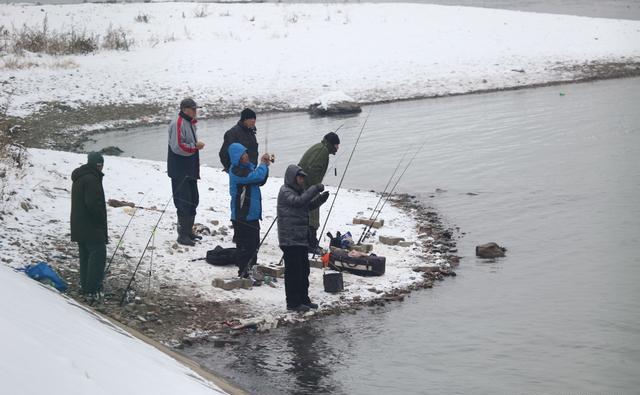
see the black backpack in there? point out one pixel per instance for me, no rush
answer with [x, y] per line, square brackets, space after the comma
[221, 256]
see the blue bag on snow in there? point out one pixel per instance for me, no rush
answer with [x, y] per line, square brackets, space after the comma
[45, 274]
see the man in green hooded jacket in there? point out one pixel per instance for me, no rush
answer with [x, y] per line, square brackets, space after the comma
[89, 222]
[314, 163]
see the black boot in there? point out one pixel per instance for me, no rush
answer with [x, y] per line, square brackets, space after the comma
[193, 236]
[183, 231]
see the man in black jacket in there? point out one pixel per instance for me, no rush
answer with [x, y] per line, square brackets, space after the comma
[244, 132]
[89, 222]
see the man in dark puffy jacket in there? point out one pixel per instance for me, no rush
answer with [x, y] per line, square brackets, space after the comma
[89, 222]
[294, 204]
[244, 132]
[183, 167]
[245, 181]
[315, 162]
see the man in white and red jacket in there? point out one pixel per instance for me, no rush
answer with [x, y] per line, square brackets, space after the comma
[183, 167]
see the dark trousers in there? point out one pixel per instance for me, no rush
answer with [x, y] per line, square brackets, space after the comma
[246, 235]
[296, 275]
[313, 238]
[92, 260]
[185, 196]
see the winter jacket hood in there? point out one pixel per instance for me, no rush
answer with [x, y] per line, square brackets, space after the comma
[294, 204]
[290, 177]
[244, 186]
[236, 150]
[88, 218]
[84, 170]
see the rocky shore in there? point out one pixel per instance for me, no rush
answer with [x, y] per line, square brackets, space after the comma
[178, 318]
[173, 299]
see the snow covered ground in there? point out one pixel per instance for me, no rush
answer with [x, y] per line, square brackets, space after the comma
[285, 56]
[49, 344]
[43, 189]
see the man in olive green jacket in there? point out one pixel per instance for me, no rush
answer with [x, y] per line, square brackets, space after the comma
[89, 222]
[314, 163]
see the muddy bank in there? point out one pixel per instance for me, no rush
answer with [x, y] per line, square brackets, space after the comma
[179, 317]
[62, 127]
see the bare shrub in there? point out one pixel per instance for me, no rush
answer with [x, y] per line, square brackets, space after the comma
[117, 39]
[142, 18]
[5, 39]
[13, 156]
[44, 40]
[64, 64]
[154, 41]
[201, 12]
[15, 63]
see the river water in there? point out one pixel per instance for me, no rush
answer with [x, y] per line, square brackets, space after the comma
[556, 171]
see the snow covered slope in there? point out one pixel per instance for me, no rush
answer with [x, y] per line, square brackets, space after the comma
[49, 344]
[284, 56]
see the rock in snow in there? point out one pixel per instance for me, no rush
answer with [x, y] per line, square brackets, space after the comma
[334, 103]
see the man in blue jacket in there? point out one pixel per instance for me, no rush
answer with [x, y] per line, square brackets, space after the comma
[245, 181]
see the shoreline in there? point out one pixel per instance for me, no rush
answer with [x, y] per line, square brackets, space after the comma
[174, 301]
[43, 129]
[181, 327]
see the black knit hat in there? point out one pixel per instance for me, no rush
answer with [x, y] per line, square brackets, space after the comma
[332, 138]
[247, 113]
[95, 158]
[188, 103]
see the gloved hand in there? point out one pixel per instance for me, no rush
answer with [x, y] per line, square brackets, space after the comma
[320, 187]
[324, 196]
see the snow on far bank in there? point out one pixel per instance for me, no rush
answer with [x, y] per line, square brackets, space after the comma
[49, 344]
[283, 56]
[47, 184]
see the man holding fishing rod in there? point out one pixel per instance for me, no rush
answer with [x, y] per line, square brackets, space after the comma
[294, 203]
[244, 132]
[245, 180]
[314, 163]
[183, 167]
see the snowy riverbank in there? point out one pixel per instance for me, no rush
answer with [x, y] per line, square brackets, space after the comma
[284, 56]
[174, 291]
[50, 344]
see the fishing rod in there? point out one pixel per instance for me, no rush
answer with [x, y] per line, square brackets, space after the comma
[370, 225]
[383, 192]
[153, 249]
[314, 159]
[353, 150]
[123, 233]
[146, 247]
